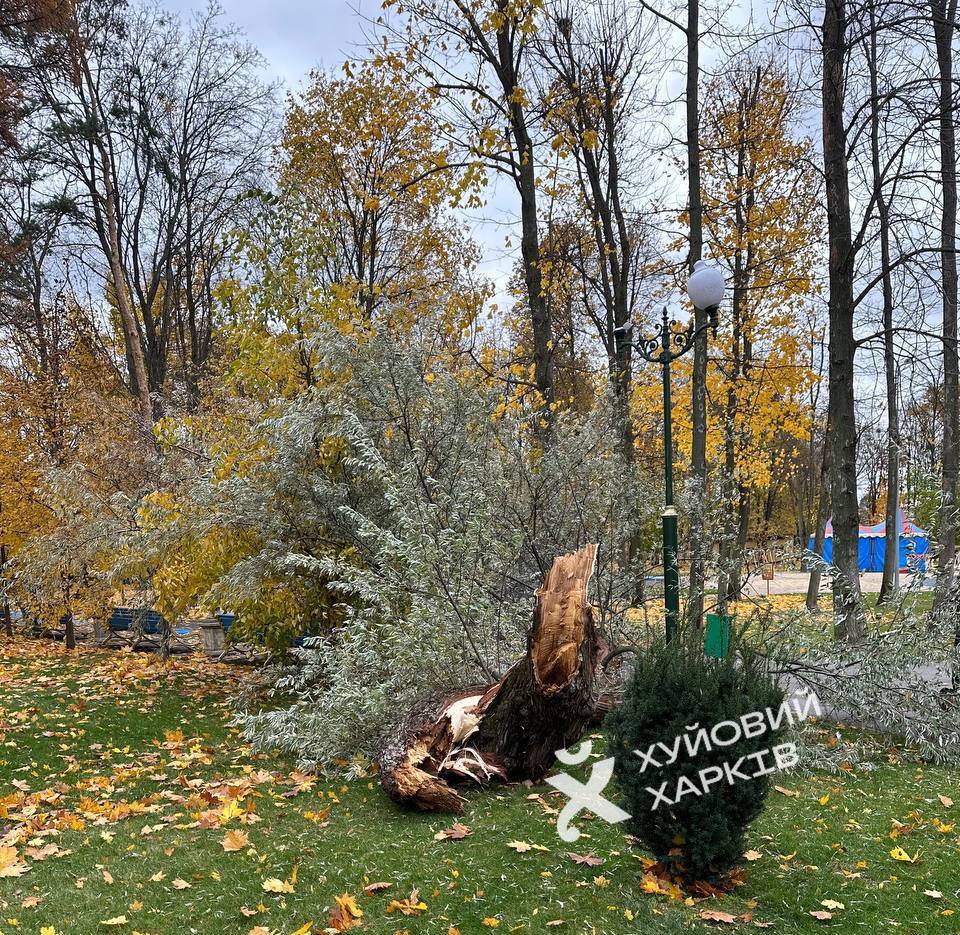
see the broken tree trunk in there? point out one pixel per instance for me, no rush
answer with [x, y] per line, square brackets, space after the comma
[511, 729]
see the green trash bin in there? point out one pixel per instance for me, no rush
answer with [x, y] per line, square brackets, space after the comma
[716, 642]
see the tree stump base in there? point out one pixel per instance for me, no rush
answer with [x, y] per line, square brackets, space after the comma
[509, 730]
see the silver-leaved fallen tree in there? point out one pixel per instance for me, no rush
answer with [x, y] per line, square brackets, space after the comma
[449, 515]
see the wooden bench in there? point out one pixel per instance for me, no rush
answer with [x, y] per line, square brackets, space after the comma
[123, 619]
[126, 624]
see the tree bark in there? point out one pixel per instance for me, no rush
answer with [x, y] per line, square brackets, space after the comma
[943, 14]
[823, 517]
[7, 619]
[525, 177]
[511, 729]
[842, 434]
[735, 571]
[106, 220]
[69, 631]
[890, 582]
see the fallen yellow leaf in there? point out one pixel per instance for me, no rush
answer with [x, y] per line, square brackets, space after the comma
[715, 915]
[898, 853]
[10, 864]
[235, 840]
[273, 885]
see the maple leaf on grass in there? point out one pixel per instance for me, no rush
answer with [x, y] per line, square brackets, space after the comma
[588, 860]
[898, 853]
[273, 885]
[652, 883]
[346, 915]
[377, 887]
[522, 847]
[409, 906]
[715, 915]
[10, 863]
[455, 833]
[235, 840]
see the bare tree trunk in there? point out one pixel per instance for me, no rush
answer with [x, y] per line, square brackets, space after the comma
[890, 582]
[69, 631]
[842, 435]
[699, 376]
[108, 231]
[165, 638]
[525, 178]
[735, 573]
[823, 517]
[7, 619]
[508, 730]
[138, 371]
[943, 14]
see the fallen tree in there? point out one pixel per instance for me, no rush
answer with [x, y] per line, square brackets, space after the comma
[509, 730]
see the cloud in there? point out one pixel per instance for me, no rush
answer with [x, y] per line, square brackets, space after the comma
[295, 35]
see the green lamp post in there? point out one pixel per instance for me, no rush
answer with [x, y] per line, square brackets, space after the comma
[670, 341]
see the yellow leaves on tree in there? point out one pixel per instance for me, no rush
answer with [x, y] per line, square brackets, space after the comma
[761, 221]
[365, 183]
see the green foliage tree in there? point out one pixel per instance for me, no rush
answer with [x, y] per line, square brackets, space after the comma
[676, 690]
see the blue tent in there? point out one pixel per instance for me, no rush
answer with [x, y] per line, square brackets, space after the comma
[913, 541]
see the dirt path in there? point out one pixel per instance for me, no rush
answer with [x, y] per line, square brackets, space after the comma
[795, 582]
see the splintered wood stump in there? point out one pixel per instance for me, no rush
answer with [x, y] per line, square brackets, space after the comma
[508, 730]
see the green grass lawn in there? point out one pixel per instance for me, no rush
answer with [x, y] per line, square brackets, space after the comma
[120, 781]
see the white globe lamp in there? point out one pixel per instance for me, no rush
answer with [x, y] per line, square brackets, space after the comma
[705, 285]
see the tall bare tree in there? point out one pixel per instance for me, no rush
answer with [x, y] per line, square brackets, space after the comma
[595, 63]
[842, 412]
[882, 194]
[476, 55]
[158, 131]
[943, 15]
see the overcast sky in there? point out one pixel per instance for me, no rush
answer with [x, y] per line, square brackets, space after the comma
[295, 35]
